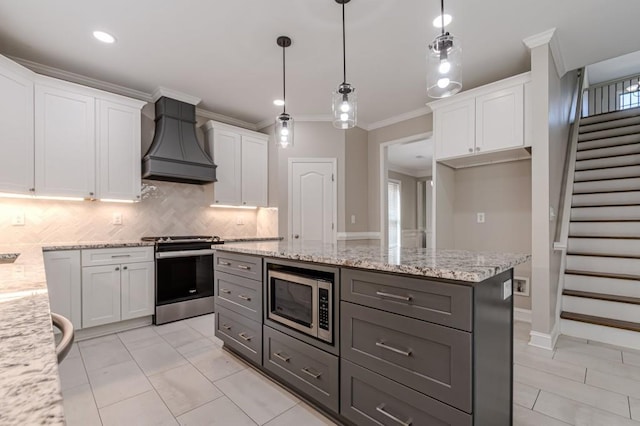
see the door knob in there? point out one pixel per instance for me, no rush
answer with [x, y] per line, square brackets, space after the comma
[296, 236]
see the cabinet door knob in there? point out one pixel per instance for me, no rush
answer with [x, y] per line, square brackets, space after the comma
[470, 149]
[91, 193]
[244, 202]
[477, 148]
[124, 267]
[117, 269]
[296, 236]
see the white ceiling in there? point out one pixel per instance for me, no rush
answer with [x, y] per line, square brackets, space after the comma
[412, 158]
[225, 52]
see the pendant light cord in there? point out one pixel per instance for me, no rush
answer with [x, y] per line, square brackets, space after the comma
[344, 50]
[442, 14]
[284, 82]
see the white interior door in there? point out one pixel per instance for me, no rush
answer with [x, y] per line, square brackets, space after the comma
[312, 199]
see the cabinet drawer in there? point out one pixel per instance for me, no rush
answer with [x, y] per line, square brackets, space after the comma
[239, 295]
[115, 256]
[239, 264]
[441, 303]
[371, 399]
[240, 333]
[429, 358]
[309, 369]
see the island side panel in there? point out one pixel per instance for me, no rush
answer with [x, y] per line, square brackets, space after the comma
[493, 352]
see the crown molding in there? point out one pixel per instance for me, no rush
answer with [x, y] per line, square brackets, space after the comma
[81, 79]
[226, 119]
[399, 118]
[550, 38]
[174, 94]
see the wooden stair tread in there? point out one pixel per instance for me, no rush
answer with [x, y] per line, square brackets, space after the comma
[617, 256]
[605, 237]
[602, 296]
[603, 275]
[607, 322]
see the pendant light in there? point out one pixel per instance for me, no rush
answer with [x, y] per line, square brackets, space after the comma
[444, 63]
[345, 104]
[284, 122]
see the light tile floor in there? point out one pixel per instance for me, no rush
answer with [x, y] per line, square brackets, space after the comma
[178, 374]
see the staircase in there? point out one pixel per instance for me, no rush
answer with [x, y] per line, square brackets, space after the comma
[601, 294]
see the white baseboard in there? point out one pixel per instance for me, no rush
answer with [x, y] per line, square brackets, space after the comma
[544, 340]
[346, 236]
[116, 327]
[520, 314]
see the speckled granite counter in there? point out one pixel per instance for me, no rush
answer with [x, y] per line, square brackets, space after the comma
[448, 264]
[250, 239]
[29, 383]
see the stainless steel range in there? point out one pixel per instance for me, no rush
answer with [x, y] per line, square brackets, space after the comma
[184, 276]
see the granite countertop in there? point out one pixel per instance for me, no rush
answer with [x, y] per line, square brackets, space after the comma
[250, 239]
[457, 265]
[29, 383]
[95, 245]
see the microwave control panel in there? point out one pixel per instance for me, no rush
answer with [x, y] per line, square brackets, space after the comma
[323, 313]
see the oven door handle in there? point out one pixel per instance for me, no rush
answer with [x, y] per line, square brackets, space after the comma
[183, 253]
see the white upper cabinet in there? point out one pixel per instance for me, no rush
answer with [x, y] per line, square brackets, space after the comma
[227, 155]
[65, 140]
[242, 159]
[254, 171]
[118, 151]
[483, 125]
[16, 127]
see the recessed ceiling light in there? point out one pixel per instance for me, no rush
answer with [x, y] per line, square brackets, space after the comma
[104, 37]
[437, 22]
[278, 102]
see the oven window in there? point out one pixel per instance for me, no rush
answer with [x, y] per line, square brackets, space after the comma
[183, 278]
[292, 301]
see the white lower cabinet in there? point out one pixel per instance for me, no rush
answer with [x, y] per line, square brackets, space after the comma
[63, 273]
[137, 290]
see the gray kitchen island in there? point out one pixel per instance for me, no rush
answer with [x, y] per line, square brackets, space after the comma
[374, 336]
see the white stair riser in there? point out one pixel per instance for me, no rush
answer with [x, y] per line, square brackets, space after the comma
[608, 142]
[603, 163]
[629, 288]
[613, 173]
[604, 229]
[609, 152]
[617, 115]
[606, 199]
[599, 333]
[605, 213]
[631, 184]
[601, 308]
[611, 124]
[609, 265]
[609, 133]
[604, 246]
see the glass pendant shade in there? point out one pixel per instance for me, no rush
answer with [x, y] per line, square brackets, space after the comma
[284, 130]
[444, 66]
[345, 107]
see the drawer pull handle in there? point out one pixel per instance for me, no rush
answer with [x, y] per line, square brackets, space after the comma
[223, 263]
[226, 326]
[281, 357]
[243, 297]
[245, 336]
[113, 256]
[393, 296]
[311, 373]
[225, 291]
[392, 349]
[245, 267]
[380, 409]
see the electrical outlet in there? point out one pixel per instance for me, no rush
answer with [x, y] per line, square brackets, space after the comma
[521, 286]
[117, 219]
[239, 220]
[18, 272]
[353, 219]
[480, 217]
[17, 219]
[507, 289]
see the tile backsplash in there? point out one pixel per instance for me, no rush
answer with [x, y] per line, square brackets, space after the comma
[166, 209]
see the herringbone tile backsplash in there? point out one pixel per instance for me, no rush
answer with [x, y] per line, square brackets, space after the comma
[166, 209]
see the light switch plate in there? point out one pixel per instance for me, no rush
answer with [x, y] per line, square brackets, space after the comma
[353, 219]
[507, 289]
[480, 217]
[117, 219]
[18, 219]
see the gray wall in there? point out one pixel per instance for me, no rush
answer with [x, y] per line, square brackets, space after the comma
[407, 199]
[356, 185]
[503, 192]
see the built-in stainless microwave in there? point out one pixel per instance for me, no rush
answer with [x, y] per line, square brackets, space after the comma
[301, 302]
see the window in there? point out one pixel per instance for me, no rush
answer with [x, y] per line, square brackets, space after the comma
[395, 230]
[629, 100]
